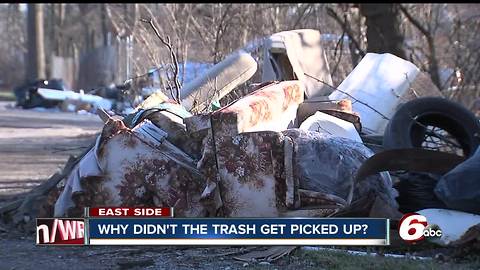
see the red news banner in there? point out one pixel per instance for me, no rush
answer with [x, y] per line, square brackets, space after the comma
[129, 212]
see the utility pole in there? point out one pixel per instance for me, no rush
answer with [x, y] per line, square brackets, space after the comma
[35, 43]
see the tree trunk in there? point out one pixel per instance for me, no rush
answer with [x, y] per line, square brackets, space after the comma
[383, 28]
[60, 18]
[35, 44]
[103, 16]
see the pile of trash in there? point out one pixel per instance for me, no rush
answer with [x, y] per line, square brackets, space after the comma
[54, 94]
[383, 143]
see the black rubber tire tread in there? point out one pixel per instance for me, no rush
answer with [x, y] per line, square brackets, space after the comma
[403, 132]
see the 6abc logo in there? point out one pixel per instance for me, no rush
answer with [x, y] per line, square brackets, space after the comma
[414, 227]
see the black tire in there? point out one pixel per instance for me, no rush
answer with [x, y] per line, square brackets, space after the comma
[408, 126]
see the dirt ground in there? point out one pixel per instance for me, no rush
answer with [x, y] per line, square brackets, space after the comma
[36, 144]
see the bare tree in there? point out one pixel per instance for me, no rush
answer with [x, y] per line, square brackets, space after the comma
[174, 61]
[13, 50]
[429, 33]
[436, 37]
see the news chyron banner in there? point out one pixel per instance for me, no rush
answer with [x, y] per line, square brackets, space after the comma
[157, 226]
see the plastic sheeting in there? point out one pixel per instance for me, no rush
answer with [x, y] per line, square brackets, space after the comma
[329, 164]
[460, 188]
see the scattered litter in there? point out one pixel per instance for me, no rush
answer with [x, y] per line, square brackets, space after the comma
[27, 96]
[97, 101]
[266, 256]
[454, 224]
[362, 253]
[42, 109]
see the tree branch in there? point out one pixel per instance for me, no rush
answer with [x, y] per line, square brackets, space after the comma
[346, 29]
[433, 69]
[173, 56]
[414, 21]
